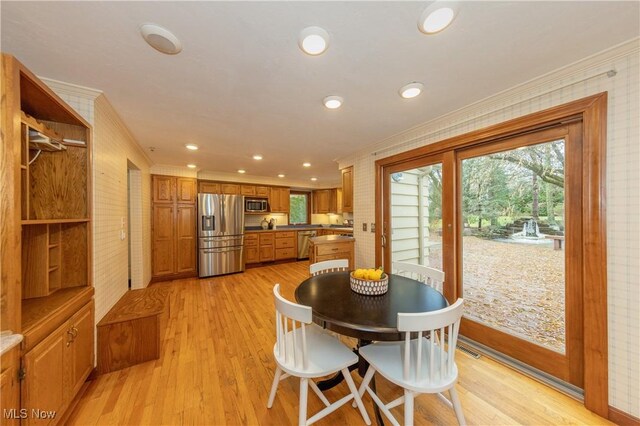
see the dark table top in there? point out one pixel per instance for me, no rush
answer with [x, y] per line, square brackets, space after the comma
[338, 308]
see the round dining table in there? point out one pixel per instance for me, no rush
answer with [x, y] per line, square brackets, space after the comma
[367, 318]
[338, 308]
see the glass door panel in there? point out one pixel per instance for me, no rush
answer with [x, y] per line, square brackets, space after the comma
[513, 257]
[416, 215]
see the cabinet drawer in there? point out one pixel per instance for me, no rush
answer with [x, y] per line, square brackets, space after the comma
[285, 253]
[285, 243]
[323, 249]
[287, 234]
[334, 257]
[251, 240]
[266, 239]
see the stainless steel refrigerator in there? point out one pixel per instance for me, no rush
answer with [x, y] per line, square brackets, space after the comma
[220, 234]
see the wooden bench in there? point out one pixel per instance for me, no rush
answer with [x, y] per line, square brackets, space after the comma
[132, 331]
[557, 241]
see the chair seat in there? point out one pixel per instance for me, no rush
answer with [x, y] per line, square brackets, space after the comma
[326, 354]
[385, 357]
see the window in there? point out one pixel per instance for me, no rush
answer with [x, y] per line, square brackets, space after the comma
[299, 207]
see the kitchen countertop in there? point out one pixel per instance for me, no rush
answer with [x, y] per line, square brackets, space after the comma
[326, 239]
[298, 228]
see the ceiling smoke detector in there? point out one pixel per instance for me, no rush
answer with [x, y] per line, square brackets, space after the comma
[161, 39]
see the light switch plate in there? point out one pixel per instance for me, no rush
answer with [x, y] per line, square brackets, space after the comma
[373, 227]
[364, 227]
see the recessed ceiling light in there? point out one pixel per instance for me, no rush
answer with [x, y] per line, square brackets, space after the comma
[191, 146]
[437, 17]
[191, 166]
[161, 39]
[280, 175]
[257, 157]
[313, 40]
[306, 164]
[333, 102]
[411, 90]
[314, 179]
[242, 171]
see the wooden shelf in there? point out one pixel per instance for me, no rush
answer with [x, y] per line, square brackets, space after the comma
[53, 245]
[23, 167]
[54, 268]
[48, 221]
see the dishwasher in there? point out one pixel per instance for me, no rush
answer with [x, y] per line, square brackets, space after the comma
[303, 243]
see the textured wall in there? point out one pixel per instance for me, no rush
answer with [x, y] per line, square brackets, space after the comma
[623, 185]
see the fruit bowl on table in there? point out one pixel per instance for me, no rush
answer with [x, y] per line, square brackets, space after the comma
[369, 287]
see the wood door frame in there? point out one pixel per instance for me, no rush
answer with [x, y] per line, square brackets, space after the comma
[592, 111]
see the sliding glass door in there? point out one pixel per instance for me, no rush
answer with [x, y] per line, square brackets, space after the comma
[503, 221]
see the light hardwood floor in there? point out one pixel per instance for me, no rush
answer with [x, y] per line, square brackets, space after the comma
[217, 366]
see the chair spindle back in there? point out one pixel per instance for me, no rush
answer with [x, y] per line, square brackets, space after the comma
[291, 338]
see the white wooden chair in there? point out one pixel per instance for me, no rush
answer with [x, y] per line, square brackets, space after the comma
[304, 350]
[418, 365]
[430, 276]
[328, 266]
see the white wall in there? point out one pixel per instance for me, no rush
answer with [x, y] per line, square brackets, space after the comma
[623, 185]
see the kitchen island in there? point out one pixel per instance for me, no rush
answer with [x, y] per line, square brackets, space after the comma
[330, 247]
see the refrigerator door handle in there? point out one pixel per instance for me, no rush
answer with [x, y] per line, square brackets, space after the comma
[221, 250]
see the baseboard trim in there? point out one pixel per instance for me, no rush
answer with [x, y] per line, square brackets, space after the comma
[621, 418]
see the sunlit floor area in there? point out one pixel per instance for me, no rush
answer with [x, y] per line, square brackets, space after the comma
[217, 366]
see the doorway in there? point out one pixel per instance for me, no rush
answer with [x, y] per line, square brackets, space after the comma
[134, 226]
[514, 213]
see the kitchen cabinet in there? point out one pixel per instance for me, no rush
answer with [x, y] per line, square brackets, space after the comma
[347, 190]
[285, 245]
[251, 248]
[331, 247]
[208, 187]
[262, 191]
[248, 190]
[173, 230]
[10, 385]
[229, 188]
[326, 201]
[186, 190]
[266, 248]
[164, 189]
[279, 200]
[56, 368]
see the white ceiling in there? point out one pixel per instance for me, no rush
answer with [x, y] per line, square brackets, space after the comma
[242, 86]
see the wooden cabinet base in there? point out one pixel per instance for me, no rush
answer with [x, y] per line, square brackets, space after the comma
[132, 330]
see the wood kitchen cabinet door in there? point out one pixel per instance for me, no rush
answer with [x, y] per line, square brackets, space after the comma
[209, 187]
[163, 241]
[82, 353]
[262, 191]
[45, 380]
[230, 188]
[186, 190]
[186, 239]
[347, 190]
[251, 255]
[163, 189]
[249, 190]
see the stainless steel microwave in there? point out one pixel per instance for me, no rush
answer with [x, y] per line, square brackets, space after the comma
[253, 205]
